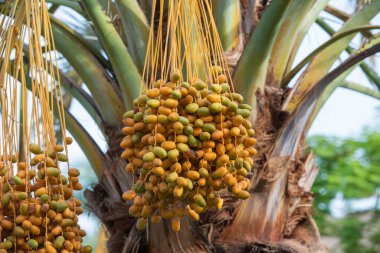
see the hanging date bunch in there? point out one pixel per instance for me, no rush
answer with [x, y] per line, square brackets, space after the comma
[189, 135]
[38, 211]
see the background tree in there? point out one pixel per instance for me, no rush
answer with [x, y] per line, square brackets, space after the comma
[260, 49]
[349, 168]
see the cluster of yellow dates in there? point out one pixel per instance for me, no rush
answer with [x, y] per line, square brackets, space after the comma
[38, 213]
[185, 142]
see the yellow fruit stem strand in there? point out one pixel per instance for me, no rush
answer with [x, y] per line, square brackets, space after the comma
[223, 62]
[164, 63]
[154, 46]
[211, 41]
[185, 51]
[155, 55]
[218, 44]
[145, 74]
[146, 177]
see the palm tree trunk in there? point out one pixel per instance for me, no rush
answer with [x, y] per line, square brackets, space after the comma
[276, 218]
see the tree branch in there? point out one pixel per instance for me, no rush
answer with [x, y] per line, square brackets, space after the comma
[328, 43]
[74, 5]
[361, 89]
[125, 70]
[370, 73]
[251, 71]
[103, 88]
[136, 30]
[344, 17]
[321, 64]
[292, 132]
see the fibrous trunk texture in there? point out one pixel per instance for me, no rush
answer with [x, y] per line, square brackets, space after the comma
[276, 218]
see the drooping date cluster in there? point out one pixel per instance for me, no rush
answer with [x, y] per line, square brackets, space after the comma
[38, 211]
[184, 143]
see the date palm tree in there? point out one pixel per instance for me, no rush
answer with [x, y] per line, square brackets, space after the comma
[261, 40]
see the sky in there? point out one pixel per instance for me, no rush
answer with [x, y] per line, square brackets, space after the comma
[345, 114]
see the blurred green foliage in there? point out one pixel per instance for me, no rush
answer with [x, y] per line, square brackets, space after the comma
[349, 167]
